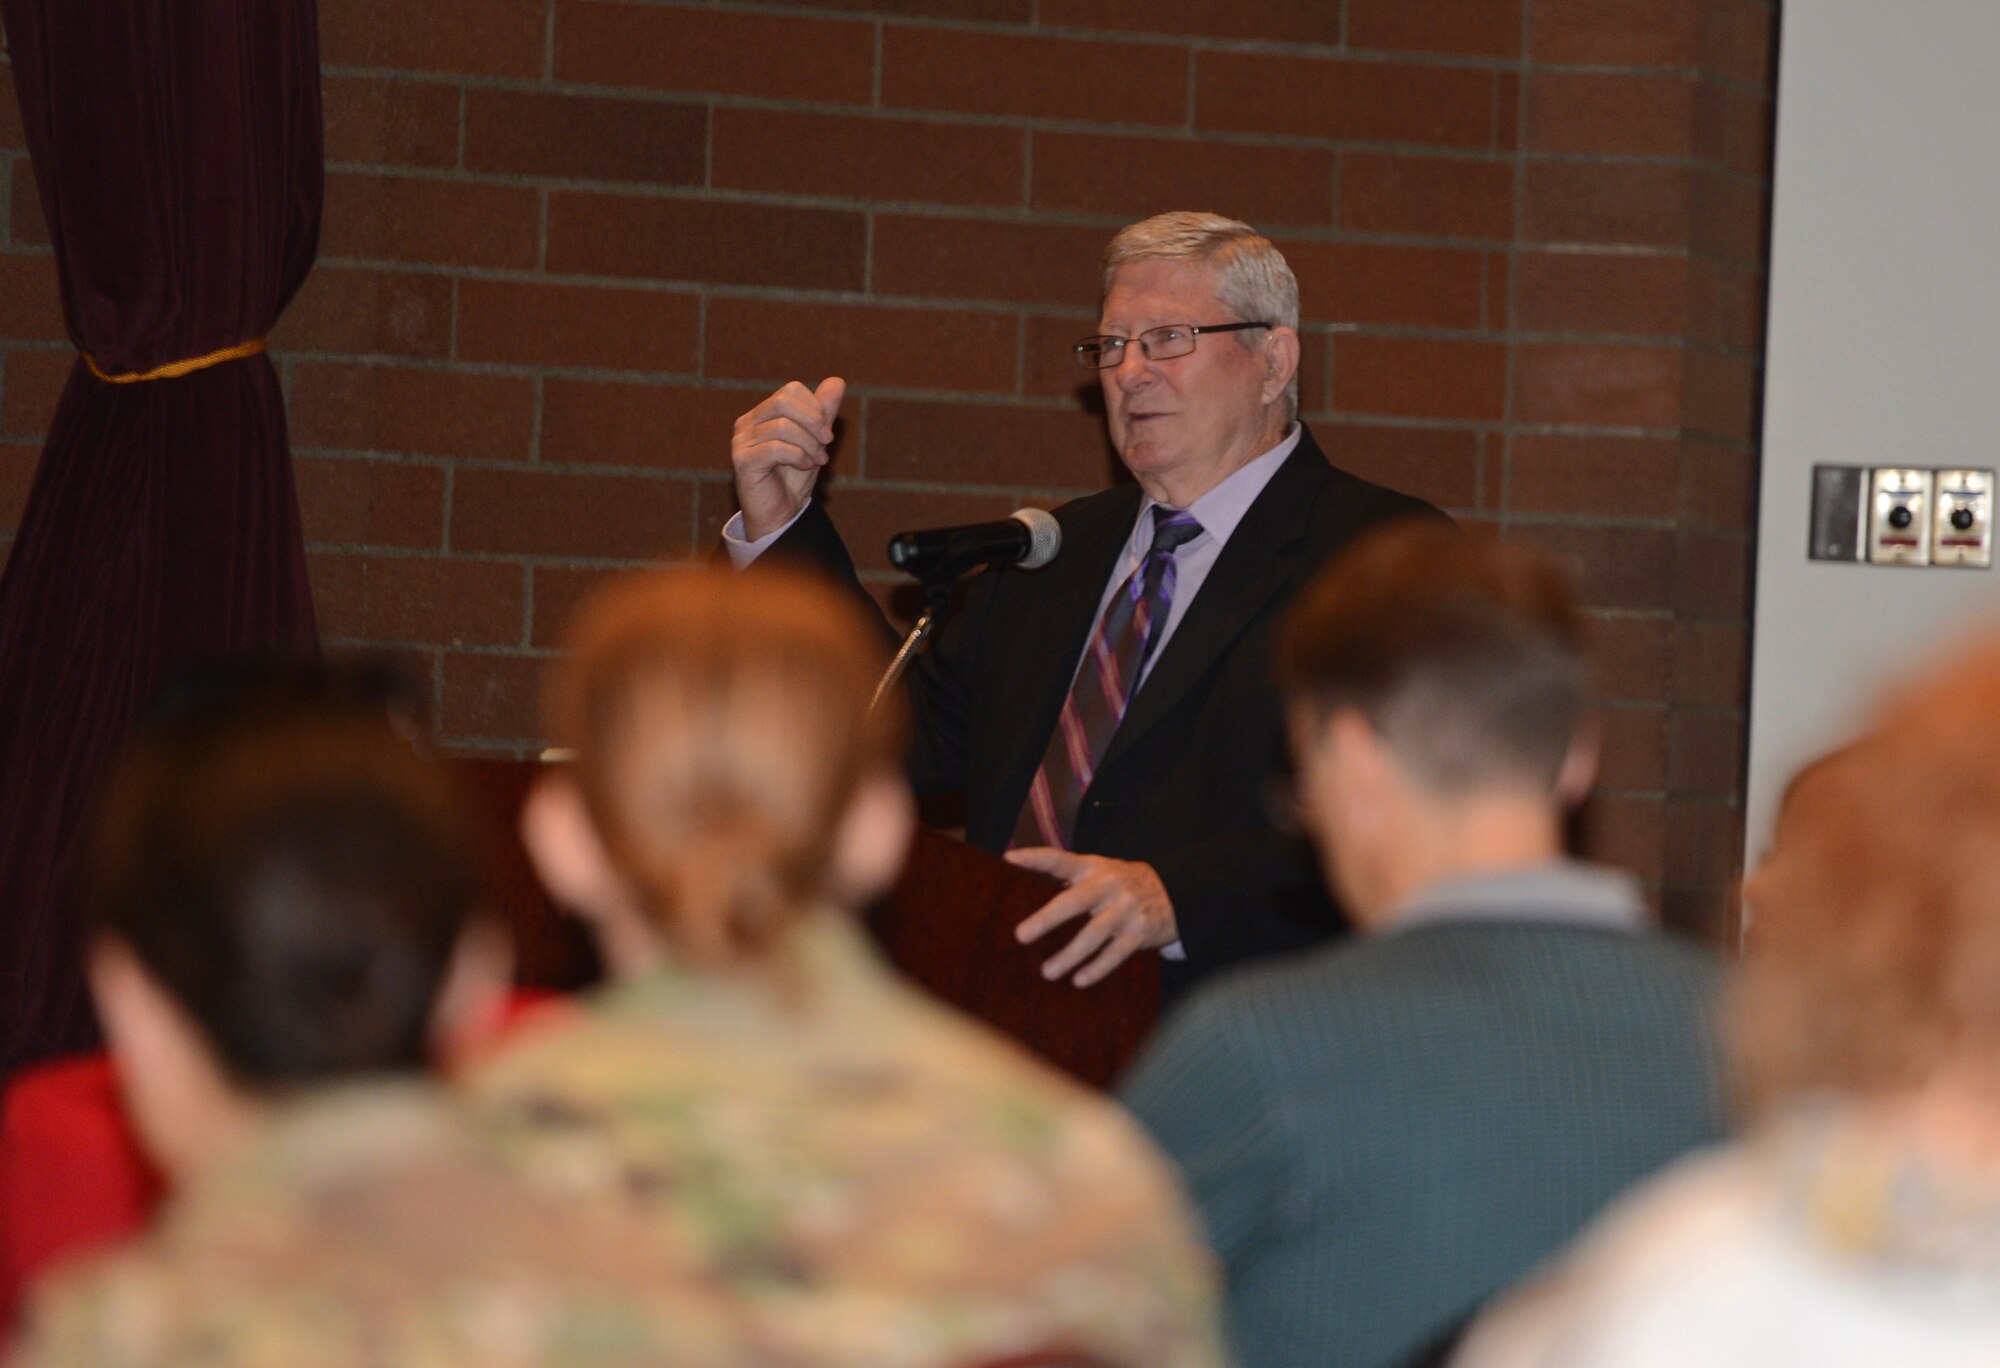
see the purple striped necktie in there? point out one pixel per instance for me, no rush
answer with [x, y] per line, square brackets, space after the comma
[1125, 639]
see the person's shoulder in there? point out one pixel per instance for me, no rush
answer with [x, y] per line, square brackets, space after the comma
[76, 1313]
[1697, 1231]
[1267, 1003]
[1669, 952]
[1348, 499]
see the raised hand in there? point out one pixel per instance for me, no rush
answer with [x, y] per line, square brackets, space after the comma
[778, 450]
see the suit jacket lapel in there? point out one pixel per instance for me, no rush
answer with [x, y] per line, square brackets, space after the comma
[1246, 574]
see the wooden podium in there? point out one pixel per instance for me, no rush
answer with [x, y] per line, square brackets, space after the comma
[949, 925]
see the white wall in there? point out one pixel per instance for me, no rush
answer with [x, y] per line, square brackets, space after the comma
[1884, 347]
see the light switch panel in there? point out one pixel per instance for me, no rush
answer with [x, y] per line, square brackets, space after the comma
[1962, 518]
[1840, 513]
[1899, 516]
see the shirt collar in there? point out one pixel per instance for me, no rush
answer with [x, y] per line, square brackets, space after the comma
[1219, 510]
[1566, 892]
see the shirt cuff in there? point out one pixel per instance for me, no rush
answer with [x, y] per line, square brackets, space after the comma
[1176, 951]
[742, 552]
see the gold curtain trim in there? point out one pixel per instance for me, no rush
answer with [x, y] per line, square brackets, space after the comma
[177, 368]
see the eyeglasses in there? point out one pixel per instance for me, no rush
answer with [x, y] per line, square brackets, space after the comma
[1158, 344]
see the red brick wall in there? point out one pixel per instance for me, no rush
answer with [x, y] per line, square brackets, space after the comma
[567, 241]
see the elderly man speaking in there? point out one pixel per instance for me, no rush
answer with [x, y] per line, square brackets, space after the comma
[1111, 718]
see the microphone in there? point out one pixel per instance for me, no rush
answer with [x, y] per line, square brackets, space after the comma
[1028, 537]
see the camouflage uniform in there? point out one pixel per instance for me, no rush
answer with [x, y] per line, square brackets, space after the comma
[870, 1180]
[368, 1226]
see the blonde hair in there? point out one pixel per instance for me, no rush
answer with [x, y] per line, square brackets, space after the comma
[1874, 958]
[1252, 278]
[721, 729]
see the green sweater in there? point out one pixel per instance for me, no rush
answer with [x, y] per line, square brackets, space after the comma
[1383, 1134]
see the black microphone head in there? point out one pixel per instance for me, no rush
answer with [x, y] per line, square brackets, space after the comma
[1044, 536]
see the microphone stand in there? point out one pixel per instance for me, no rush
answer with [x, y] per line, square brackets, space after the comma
[937, 598]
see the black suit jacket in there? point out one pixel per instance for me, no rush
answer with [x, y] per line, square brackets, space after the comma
[1190, 781]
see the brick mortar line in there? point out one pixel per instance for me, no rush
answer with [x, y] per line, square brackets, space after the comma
[690, 190]
[877, 60]
[1503, 497]
[1050, 311]
[868, 253]
[383, 551]
[707, 149]
[701, 337]
[545, 560]
[528, 606]
[437, 693]
[1660, 615]
[995, 214]
[453, 464]
[528, 370]
[695, 501]
[1082, 33]
[509, 749]
[446, 507]
[1156, 133]
[1044, 309]
[1195, 45]
[1053, 403]
[955, 118]
[1340, 50]
[858, 484]
[1012, 216]
[846, 109]
[535, 418]
[543, 195]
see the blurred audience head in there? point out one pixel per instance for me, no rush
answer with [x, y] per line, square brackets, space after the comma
[279, 883]
[728, 778]
[1873, 965]
[1436, 683]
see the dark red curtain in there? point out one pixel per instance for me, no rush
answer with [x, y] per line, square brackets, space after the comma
[176, 146]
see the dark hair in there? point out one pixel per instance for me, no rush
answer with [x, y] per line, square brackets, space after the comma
[288, 869]
[1463, 651]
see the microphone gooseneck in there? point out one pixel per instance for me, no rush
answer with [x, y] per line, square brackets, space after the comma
[1029, 538]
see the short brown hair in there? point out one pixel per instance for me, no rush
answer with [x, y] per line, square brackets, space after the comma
[1463, 651]
[1873, 945]
[721, 727]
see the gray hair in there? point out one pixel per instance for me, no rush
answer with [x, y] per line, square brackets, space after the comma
[1252, 278]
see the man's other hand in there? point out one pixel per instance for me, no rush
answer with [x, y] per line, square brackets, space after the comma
[778, 450]
[1127, 907]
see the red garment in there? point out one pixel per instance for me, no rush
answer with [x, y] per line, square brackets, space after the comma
[73, 1177]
